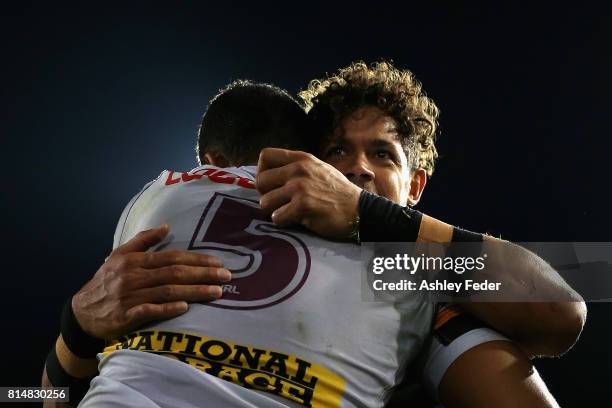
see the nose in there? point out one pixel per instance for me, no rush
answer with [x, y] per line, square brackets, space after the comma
[359, 171]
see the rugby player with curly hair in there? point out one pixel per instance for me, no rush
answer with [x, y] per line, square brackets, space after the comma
[378, 129]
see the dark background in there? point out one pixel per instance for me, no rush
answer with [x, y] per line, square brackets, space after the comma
[96, 102]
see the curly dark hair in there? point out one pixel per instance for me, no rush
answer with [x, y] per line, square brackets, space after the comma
[396, 92]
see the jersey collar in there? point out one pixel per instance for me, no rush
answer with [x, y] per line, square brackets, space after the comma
[250, 170]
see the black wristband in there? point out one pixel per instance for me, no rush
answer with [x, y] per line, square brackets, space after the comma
[381, 220]
[58, 377]
[79, 343]
[461, 235]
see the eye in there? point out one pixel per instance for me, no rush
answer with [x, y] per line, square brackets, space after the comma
[336, 151]
[384, 154]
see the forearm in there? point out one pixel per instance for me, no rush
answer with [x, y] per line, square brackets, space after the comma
[540, 328]
[75, 366]
[68, 370]
[51, 403]
[72, 361]
[549, 319]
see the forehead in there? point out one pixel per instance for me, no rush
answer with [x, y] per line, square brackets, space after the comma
[367, 125]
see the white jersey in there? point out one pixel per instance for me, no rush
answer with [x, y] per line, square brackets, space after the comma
[291, 328]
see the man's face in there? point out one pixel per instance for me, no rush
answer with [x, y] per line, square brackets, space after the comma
[365, 147]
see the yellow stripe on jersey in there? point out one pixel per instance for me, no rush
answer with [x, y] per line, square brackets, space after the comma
[445, 314]
[252, 367]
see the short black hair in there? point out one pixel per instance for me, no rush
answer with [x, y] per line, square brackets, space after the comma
[244, 117]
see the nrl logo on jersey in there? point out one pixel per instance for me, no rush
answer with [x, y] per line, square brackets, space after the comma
[230, 289]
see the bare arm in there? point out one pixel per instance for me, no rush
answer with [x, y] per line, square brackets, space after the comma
[494, 374]
[298, 188]
[134, 287]
[539, 328]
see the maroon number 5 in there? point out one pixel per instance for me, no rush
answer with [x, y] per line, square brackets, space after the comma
[268, 264]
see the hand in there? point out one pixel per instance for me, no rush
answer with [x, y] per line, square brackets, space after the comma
[298, 188]
[134, 287]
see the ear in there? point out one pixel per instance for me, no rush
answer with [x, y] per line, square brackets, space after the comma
[418, 179]
[215, 159]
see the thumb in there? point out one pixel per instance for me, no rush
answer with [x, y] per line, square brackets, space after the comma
[144, 240]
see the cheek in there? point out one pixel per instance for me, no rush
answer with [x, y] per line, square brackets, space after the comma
[404, 183]
[390, 186]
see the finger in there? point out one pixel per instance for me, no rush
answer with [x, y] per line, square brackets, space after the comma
[153, 260]
[139, 315]
[271, 179]
[271, 157]
[275, 199]
[186, 275]
[144, 240]
[175, 293]
[286, 215]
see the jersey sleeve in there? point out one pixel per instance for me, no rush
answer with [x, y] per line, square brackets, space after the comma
[120, 229]
[454, 333]
[147, 210]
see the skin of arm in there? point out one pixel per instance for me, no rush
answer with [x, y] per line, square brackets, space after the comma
[298, 188]
[539, 328]
[494, 374]
[134, 287]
